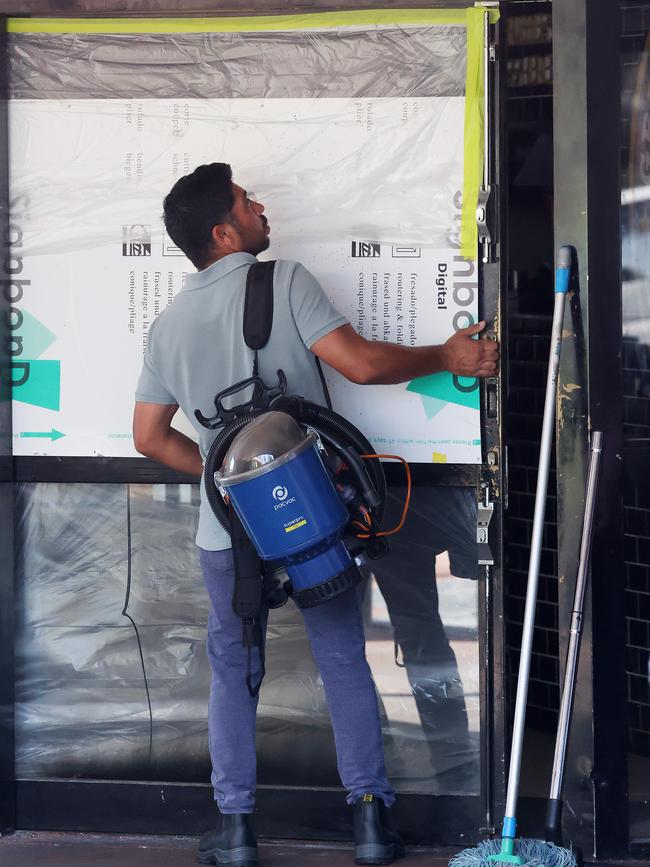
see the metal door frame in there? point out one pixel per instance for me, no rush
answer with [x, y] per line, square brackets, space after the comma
[7, 750]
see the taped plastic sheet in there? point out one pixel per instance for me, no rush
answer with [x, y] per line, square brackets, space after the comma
[431, 62]
[95, 697]
[103, 696]
[190, 83]
[353, 138]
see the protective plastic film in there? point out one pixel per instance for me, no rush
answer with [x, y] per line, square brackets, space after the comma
[353, 138]
[112, 673]
[76, 86]
[341, 63]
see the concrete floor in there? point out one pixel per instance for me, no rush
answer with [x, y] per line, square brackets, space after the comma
[26, 849]
[50, 849]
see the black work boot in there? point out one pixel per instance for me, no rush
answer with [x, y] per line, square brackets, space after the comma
[374, 842]
[234, 843]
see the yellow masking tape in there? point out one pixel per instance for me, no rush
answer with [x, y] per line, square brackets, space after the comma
[310, 21]
[474, 119]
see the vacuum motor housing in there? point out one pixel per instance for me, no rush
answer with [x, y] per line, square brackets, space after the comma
[283, 494]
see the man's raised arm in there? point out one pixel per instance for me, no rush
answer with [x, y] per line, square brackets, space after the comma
[370, 362]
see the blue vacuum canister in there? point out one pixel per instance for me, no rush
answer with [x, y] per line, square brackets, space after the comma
[289, 507]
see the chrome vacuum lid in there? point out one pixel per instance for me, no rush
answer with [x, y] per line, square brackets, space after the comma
[266, 443]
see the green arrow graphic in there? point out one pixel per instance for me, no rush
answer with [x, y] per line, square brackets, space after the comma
[47, 434]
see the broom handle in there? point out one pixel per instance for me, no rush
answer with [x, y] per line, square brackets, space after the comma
[554, 813]
[562, 274]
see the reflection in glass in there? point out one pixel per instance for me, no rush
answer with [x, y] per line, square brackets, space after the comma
[104, 696]
[430, 685]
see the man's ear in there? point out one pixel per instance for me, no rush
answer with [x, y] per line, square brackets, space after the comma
[222, 236]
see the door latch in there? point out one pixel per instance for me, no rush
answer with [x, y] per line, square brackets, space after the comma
[485, 512]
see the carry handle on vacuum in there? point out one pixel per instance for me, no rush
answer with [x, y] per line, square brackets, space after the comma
[261, 398]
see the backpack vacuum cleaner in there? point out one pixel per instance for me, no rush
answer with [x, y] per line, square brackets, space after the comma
[285, 498]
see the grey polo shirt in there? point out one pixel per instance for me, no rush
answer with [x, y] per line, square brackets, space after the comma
[196, 348]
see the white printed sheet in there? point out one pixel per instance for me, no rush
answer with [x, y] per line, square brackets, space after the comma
[366, 193]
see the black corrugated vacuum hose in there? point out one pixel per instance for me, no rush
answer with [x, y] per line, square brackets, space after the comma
[337, 433]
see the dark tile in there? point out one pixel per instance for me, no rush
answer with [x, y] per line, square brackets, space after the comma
[637, 632]
[630, 549]
[638, 578]
[644, 550]
[636, 521]
[643, 604]
[632, 21]
[639, 690]
[644, 722]
[632, 605]
[632, 662]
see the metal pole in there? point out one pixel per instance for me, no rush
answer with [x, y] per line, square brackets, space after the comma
[553, 821]
[548, 432]
[562, 274]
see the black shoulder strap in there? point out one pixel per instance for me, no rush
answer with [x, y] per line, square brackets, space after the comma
[258, 307]
[247, 597]
[258, 315]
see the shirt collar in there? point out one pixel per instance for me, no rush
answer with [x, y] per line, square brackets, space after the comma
[217, 270]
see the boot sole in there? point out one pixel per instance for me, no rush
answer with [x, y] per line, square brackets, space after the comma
[244, 856]
[375, 853]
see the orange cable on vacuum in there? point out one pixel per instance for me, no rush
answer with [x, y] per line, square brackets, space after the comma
[406, 501]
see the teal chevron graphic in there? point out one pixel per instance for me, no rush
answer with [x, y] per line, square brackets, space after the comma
[439, 389]
[432, 405]
[36, 338]
[34, 380]
[37, 383]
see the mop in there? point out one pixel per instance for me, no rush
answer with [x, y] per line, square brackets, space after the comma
[531, 852]
[551, 852]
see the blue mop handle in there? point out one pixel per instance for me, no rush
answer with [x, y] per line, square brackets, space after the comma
[562, 270]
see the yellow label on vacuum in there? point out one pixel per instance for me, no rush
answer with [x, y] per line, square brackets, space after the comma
[295, 526]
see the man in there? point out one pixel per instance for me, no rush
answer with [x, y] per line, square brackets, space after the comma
[195, 349]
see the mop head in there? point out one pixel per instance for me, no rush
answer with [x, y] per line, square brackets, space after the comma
[535, 853]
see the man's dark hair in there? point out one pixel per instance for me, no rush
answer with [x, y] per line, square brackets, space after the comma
[195, 204]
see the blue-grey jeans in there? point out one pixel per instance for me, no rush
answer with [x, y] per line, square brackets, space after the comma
[335, 631]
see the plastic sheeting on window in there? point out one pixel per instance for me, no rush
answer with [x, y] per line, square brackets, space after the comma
[68, 91]
[112, 675]
[353, 138]
[86, 674]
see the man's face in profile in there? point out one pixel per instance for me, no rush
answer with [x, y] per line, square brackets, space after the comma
[250, 225]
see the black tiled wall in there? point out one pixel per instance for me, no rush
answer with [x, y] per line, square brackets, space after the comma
[530, 301]
[528, 350]
[636, 385]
